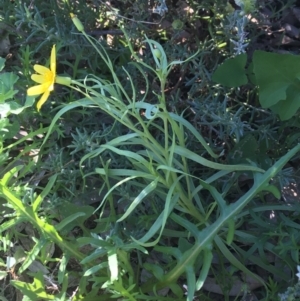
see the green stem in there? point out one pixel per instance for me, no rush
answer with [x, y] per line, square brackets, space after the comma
[30, 135]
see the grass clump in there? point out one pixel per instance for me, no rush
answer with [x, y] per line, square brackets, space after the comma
[142, 178]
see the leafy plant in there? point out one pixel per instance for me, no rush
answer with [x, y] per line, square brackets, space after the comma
[276, 75]
[160, 166]
[140, 179]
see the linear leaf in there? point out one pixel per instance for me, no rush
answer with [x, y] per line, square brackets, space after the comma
[194, 157]
[149, 188]
[69, 220]
[44, 193]
[32, 254]
[170, 203]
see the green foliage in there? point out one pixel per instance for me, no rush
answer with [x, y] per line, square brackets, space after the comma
[232, 72]
[277, 78]
[145, 181]
[7, 92]
[276, 75]
[154, 167]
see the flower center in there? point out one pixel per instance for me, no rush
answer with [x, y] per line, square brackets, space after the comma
[49, 76]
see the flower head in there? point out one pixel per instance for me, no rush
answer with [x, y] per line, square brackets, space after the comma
[46, 78]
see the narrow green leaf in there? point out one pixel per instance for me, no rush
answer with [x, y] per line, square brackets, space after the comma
[215, 194]
[191, 282]
[2, 63]
[62, 268]
[185, 223]
[111, 144]
[44, 193]
[143, 73]
[84, 102]
[68, 220]
[289, 222]
[125, 172]
[149, 188]
[10, 174]
[234, 261]
[157, 271]
[111, 190]
[113, 264]
[196, 158]
[36, 290]
[95, 269]
[32, 254]
[12, 222]
[170, 203]
[231, 230]
[193, 130]
[157, 224]
[257, 261]
[207, 260]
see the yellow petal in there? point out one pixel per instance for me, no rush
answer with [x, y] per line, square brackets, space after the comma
[53, 61]
[38, 78]
[50, 87]
[41, 69]
[39, 89]
[42, 100]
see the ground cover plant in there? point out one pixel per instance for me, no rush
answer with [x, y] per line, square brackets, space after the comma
[149, 150]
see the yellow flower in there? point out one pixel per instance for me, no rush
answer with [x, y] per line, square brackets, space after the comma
[46, 78]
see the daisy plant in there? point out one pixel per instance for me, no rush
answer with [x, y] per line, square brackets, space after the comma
[46, 78]
[156, 147]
